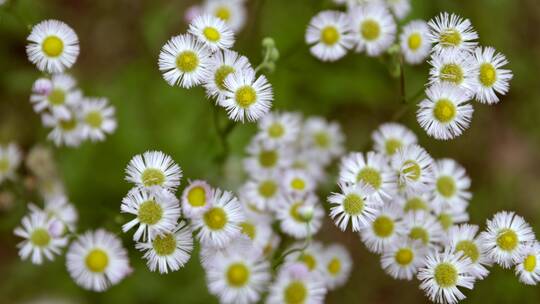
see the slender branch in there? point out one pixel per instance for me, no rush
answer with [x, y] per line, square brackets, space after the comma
[223, 135]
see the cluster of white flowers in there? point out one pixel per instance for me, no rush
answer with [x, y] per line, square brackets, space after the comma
[203, 57]
[54, 47]
[460, 71]
[412, 210]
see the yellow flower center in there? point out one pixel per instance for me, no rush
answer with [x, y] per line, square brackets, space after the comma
[152, 177]
[223, 13]
[248, 229]
[4, 164]
[150, 212]
[444, 110]
[446, 186]
[196, 196]
[246, 96]
[469, 249]
[215, 218]
[392, 145]
[276, 130]
[415, 204]
[40, 237]
[97, 260]
[295, 214]
[52, 46]
[68, 125]
[187, 61]
[298, 184]
[353, 204]
[237, 275]
[404, 256]
[452, 73]
[268, 188]
[94, 119]
[383, 226]
[450, 38]
[295, 293]
[164, 245]
[57, 97]
[446, 275]
[419, 233]
[334, 266]
[507, 240]
[371, 177]
[446, 220]
[412, 170]
[309, 260]
[488, 74]
[529, 264]
[415, 41]
[268, 158]
[322, 139]
[211, 34]
[221, 73]
[330, 35]
[370, 29]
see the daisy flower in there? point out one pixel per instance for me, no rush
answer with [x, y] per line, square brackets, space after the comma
[528, 267]
[442, 274]
[168, 251]
[297, 182]
[323, 140]
[390, 137]
[153, 170]
[238, 278]
[454, 67]
[57, 97]
[424, 227]
[266, 158]
[53, 46]
[373, 27]
[247, 97]
[10, 159]
[446, 111]
[98, 118]
[291, 215]
[222, 64]
[264, 191]
[240, 244]
[311, 256]
[306, 161]
[414, 41]
[448, 217]
[463, 239]
[97, 260]
[39, 242]
[156, 213]
[372, 170]
[505, 237]
[258, 229]
[452, 32]
[337, 264]
[232, 12]
[329, 35]
[414, 169]
[196, 198]
[400, 8]
[451, 187]
[67, 132]
[212, 31]
[414, 202]
[280, 128]
[402, 258]
[184, 61]
[355, 204]
[60, 208]
[221, 222]
[491, 78]
[294, 286]
[385, 229]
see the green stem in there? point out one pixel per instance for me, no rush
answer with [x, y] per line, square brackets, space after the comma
[223, 135]
[281, 259]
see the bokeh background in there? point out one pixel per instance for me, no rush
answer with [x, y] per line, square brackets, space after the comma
[120, 43]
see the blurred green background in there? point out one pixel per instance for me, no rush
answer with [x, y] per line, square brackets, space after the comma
[120, 43]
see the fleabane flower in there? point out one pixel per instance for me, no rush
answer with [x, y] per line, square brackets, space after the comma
[402, 258]
[10, 159]
[297, 182]
[454, 67]
[156, 212]
[329, 35]
[293, 286]
[53, 46]
[280, 128]
[445, 113]
[414, 202]
[400, 8]
[264, 157]
[40, 242]
[528, 266]
[184, 61]
[424, 227]
[60, 208]
[196, 198]
[264, 191]
[168, 251]
[414, 169]
[452, 32]
[373, 27]
[322, 140]
[390, 137]
[337, 266]
[212, 31]
[300, 216]
[414, 41]
[448, 217]
[222, 64]
[232, 12]
[491, 79]
[247, 97]
[371, 169]
[59, 98]
[98, 118]
[221, 222]
[463, 239]
[153, 170]
[505, 237]
[385, 229]
[442, 274]
[310, 255]
[238, 278]
[356, 204]
[258, 228]
[451, 186]
[64, 131]
[96, 260]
